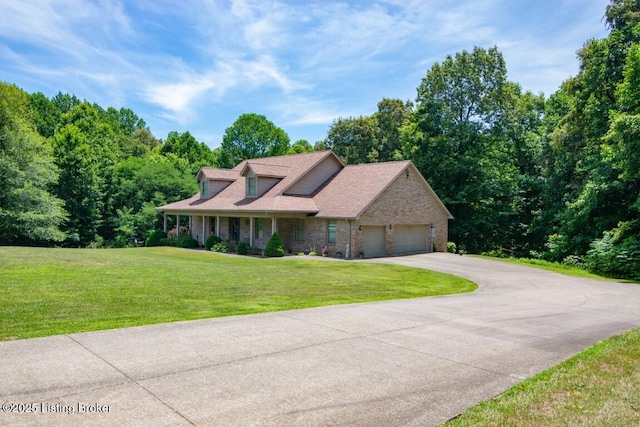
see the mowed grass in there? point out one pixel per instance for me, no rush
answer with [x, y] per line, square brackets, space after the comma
[550, 266]
[49, 291]
[598, 387]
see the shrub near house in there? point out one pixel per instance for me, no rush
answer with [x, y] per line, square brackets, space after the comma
[275, 247]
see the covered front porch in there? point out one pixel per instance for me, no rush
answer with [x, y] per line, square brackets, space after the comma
[253, 229]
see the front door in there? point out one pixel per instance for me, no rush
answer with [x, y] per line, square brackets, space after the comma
[234, 229]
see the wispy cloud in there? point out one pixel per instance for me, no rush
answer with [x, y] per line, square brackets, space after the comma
[303, 63]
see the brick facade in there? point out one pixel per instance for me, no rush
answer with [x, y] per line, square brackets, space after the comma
[408, 201]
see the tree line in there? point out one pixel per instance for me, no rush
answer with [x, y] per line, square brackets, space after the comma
[75, 174]
[555, 178]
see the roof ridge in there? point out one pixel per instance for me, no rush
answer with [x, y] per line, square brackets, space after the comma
[380, 163]
[287, 155]
[268, 164]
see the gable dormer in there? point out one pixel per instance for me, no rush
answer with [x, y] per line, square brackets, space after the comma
[260, 178]
[315, 177]
[212, 181]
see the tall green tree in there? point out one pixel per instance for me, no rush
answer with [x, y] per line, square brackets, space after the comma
[46, 114]
[252, 136]
[392, 114]
[185, 146]
[125, 120]
[366, 139]
[28, 212]
[353, 139]
[600, 100]
[79, 185]
[138, 187]
[458, 142]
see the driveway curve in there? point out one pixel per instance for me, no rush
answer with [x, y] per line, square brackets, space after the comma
[405, 362]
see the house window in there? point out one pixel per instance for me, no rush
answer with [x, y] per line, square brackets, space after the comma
[251, 186]
[204, 188]
[300, 229]
[331, 231]
[234, 229]
[212, 224]
[259, 228]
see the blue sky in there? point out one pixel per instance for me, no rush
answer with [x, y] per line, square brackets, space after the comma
[198, 65]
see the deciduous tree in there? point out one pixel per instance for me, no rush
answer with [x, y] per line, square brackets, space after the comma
[252, 136]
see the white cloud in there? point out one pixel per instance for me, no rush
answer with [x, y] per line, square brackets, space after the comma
[179, 97]
[308, 62]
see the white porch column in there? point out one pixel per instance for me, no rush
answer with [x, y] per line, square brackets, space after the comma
[164, 214]
[218, 225]
[274, 226]
[177, 225]
[203, 230]
[251, 231]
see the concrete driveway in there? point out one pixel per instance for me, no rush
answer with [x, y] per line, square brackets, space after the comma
[410, 362]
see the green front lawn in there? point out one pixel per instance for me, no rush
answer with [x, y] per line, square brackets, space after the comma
[57, 291]
[598, 387]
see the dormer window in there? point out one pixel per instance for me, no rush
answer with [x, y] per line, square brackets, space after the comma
[204, 188]
[251, 186]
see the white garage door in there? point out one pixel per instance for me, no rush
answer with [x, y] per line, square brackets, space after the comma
[373, 241]
[409, 239]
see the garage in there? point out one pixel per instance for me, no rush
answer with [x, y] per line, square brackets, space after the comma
[373, 239]
[410, 239]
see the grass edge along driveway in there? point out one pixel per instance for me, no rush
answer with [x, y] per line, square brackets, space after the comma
[51, 291]
[597, 387]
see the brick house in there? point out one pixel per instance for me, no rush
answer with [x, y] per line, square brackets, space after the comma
[312, 200]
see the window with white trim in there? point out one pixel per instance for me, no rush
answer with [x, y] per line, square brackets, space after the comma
[251, 186]
[204, 188]
[331, 231]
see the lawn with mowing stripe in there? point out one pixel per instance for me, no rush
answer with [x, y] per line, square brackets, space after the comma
[50, 291]
[598, 387]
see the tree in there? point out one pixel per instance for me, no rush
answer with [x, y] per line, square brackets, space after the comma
[79, 185]
[595, 140]
[125, 120]
[185, 146]
[458, 141]
[623, 15]
[301, 146]
[252, 136]
[65, 102]
[391, 115]
[353, 139]
[137, 187]
[28, 212]
[275, 247]
[46, 114]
